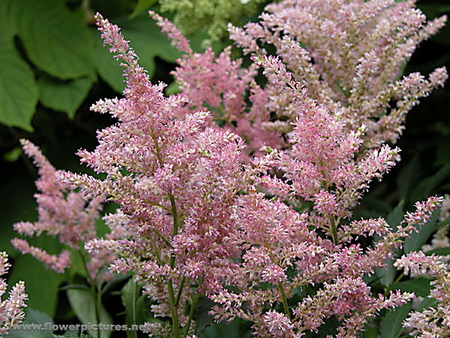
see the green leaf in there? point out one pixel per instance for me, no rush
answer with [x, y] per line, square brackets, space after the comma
[83, 304]
[141, 6]
[439, 251]
[130, 295]
[54, 38]
[107, 66]
[396, 216]
[18, 89]
[426, 303]
[420, 286]
[75, 287]
[147, 41]
[42, 321]
[202, 316]
[221, 330]
[407, 179]
[237, 328]
[13, 155]
[429, 185]
[442, 150]
[41, 284]
[63, 96]
[388, 273]
[370, 332]
[391, 324]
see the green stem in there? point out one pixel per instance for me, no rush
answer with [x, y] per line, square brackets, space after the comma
[176, 225]
[334, 234]
[191, 315]
[174, 302]
[333, 229]
[173, 309]
[284, 300]
[164, 239]
[180, 291]
[96, 295]
[176, 221]
[280, 284]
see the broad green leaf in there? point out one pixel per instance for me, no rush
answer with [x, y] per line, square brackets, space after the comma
[38, 317]
[439, 251]
[370, 332]
[83, 304]
[18, 89]
[137, 307]
[141, 6]
[7, 25]
[41, 322]
[420, 286]
[202, 316]
[237, 328]
[130, 295]
[147, 41]
[442, 151]
[54, 38]
[107, 66]
[396, 216]
[417, 239]
[388, 273]
[391, 324]
[426, 303]
[407, 179]
[429, 185]
[221, 330]
[63, 96]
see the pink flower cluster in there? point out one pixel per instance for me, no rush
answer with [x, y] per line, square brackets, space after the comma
[348, 56]
[11, 309]
[244, 193]
[433, 321]
[69, 215]
[223, 87]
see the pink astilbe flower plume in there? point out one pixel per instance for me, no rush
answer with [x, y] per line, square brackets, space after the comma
[66, 214]
[348, 55]
[176, 181]
[244, 193]
[433, 321]
[11, 309]
[222, 86]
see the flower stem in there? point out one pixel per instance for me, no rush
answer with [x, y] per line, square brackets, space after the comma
[191, 315]
[173, 309]
[334, 233]
[284, 299]
[96, 296]
[172, 301]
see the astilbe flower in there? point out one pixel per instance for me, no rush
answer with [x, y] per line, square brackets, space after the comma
[286, 252]
[11, 309]
[68, 215]
[176, 181]
[433, 321]
[331, 85]
[268, 238]
[220, 85]
[348, 55]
